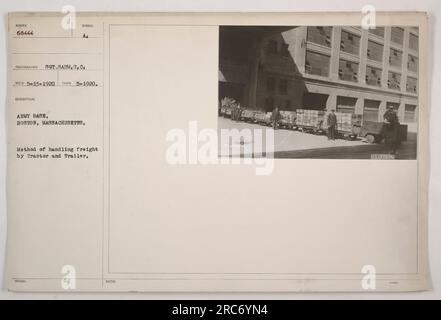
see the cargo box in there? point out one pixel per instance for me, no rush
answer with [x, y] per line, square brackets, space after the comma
[309, 118]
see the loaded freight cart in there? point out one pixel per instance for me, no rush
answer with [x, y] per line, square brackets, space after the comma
[309, 120]
[348, 124]
[263, 118]
[287, 119]
[226, 111]
[227, 105]
[248, 116]
[372, 131]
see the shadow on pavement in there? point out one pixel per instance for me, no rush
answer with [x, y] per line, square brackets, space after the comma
[406, 150]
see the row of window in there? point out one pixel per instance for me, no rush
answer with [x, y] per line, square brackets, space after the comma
[375, 53]
[318, 64]
[350, 42]
[396, 60]
[372, 107]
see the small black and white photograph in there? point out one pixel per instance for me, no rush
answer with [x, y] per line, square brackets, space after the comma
[328, 92]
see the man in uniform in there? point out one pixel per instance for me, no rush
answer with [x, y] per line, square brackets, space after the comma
[390, 129]
[233, 111]
[275, 117]
[332, 125]
[238, 112]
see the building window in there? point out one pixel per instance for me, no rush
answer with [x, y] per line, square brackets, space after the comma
[375, 51]
[346, 104]
[395, 58]
[320, 35]
[348, 71]
[283, 86]
[379, 31]
[270, 84]
[412, 63]
[317, 63]
[373, 76]
[413, 42]
[350, 43]
[397, 35]
[272, 47]
[410, 113]
[370, 110]
[287, 104]
[394, 81]
[412, 85]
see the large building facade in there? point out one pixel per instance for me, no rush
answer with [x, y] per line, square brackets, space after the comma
[347, 69]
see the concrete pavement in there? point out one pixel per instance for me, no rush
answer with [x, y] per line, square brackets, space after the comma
[296, 144]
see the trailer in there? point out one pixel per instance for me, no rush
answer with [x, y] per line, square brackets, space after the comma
[348, 124]
[372, 131]
[248, 116]
[263, 118]
[310, 121]
[287, 119]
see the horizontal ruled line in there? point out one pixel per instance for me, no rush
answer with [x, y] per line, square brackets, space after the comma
[30, 69]
[91, 53]
[32, 37]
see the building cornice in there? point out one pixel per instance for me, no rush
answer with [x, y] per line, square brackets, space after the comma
[311, 79]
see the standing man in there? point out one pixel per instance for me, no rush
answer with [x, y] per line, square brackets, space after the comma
[275, 116]
[239, 112]
[390, 129]
[332, 125]
[236, 111]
